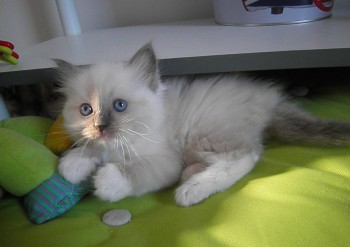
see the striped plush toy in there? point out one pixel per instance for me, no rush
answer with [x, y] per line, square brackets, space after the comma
[28, 149]
[52, 198]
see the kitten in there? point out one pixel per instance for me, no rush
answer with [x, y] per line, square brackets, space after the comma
[138, 133]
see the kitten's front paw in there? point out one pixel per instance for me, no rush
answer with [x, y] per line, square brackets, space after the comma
[190, 193]
[76, 169]
[111, 185]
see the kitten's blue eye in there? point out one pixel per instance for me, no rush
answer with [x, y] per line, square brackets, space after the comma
[120, 105]
[85, 109]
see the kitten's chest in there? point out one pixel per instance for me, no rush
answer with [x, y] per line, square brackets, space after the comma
[125, 152]
[113, 156]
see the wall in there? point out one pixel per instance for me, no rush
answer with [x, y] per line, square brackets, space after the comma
[28, 22]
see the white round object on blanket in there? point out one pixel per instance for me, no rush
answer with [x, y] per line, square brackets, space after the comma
[116, 217]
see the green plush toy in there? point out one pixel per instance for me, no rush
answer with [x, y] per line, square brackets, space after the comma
[28, 160]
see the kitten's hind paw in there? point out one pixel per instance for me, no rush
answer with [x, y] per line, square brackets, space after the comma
[190, 193]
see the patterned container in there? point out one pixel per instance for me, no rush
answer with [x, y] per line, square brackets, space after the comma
[270, 12]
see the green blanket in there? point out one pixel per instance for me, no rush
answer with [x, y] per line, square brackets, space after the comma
[296, 196]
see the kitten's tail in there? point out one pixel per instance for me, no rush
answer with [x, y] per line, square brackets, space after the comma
[292, 125]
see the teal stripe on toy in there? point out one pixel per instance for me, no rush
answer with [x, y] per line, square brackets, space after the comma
[52, 198]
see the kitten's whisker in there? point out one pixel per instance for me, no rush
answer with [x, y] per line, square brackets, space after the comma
[148, 132]
[145, 125]
[138, 133]
[62, 132]
[126, 120]
[85, 145]
[134, 150]
[81, 139]
[121, 144]
[117, 142]
[78, 142]
[127, 146]
[133, 133]
[127, 132]
[143, 136]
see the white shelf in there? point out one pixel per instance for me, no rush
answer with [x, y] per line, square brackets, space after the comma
[198, 46]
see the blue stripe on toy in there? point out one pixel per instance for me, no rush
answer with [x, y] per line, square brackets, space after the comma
[54, 188]
[47, 187]
[45, 201]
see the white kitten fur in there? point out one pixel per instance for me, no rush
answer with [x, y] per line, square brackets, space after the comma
[215, 123]
[75, 167]
[111, 184]
[225, 170]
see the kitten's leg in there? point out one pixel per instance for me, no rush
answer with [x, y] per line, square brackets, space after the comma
[75, 166]
[114, 182]
[190, 170]
[222, 172]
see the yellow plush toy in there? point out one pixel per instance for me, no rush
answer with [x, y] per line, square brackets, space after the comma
[57, 139]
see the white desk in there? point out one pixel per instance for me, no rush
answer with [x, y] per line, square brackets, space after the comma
[198, 46]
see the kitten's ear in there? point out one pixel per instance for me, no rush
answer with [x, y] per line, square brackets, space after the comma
[65, 69]
[144, 60]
